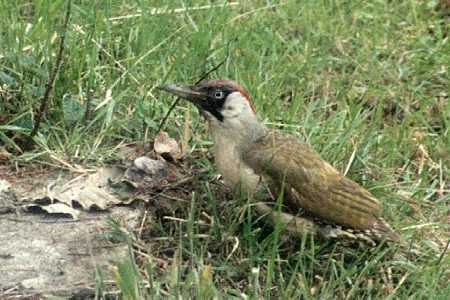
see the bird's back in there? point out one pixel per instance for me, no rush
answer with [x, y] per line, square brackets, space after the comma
[312, 184]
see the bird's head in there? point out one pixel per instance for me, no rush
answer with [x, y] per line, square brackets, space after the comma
[219, 100]
[226, 105]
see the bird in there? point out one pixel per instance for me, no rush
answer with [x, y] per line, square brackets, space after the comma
[248, 154]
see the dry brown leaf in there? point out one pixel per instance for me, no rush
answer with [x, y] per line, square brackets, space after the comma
[59, 209]
[7, 197]
[165, 145]
[87, 191]
[4, 154]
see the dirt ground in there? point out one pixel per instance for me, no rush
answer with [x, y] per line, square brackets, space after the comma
[54, 222]
[44, 254]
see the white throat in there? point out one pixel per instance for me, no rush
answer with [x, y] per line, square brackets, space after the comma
[240, 123]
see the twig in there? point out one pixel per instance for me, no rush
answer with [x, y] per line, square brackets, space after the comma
[350, 162]
[175, 103]
[186, 132]
[255, 11]
[172, 107]
[49, 86]
[419, 226]
[400, 283]
[141, 228]
[160, 11]
[88, 108]
[443, 252]
[161, 194]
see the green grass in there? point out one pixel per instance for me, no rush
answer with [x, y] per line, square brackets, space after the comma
[365, 82]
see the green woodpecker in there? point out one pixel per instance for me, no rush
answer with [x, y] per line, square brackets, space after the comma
[248, 153]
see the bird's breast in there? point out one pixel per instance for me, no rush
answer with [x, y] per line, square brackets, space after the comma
[230, 165]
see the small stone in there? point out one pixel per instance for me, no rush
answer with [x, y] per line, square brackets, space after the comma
[150, 166]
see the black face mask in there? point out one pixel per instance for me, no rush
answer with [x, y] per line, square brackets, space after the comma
[214, 100]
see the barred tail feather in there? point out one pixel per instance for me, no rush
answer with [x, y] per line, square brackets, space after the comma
[382, 231]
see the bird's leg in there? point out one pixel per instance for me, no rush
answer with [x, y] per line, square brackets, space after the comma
[298, 226]
[293, 225]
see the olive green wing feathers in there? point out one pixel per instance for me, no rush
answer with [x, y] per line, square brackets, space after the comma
[312, 184]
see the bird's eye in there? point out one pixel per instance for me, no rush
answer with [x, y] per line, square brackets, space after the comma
[218, 94]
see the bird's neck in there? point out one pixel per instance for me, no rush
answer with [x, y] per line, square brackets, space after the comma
[238, 133]
[229, 145]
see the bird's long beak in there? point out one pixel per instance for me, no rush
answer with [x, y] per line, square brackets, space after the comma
[184, 92]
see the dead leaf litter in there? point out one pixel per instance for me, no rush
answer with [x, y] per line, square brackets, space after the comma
[37, 237]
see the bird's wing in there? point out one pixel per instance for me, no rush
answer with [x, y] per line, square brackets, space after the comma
[314, 185]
